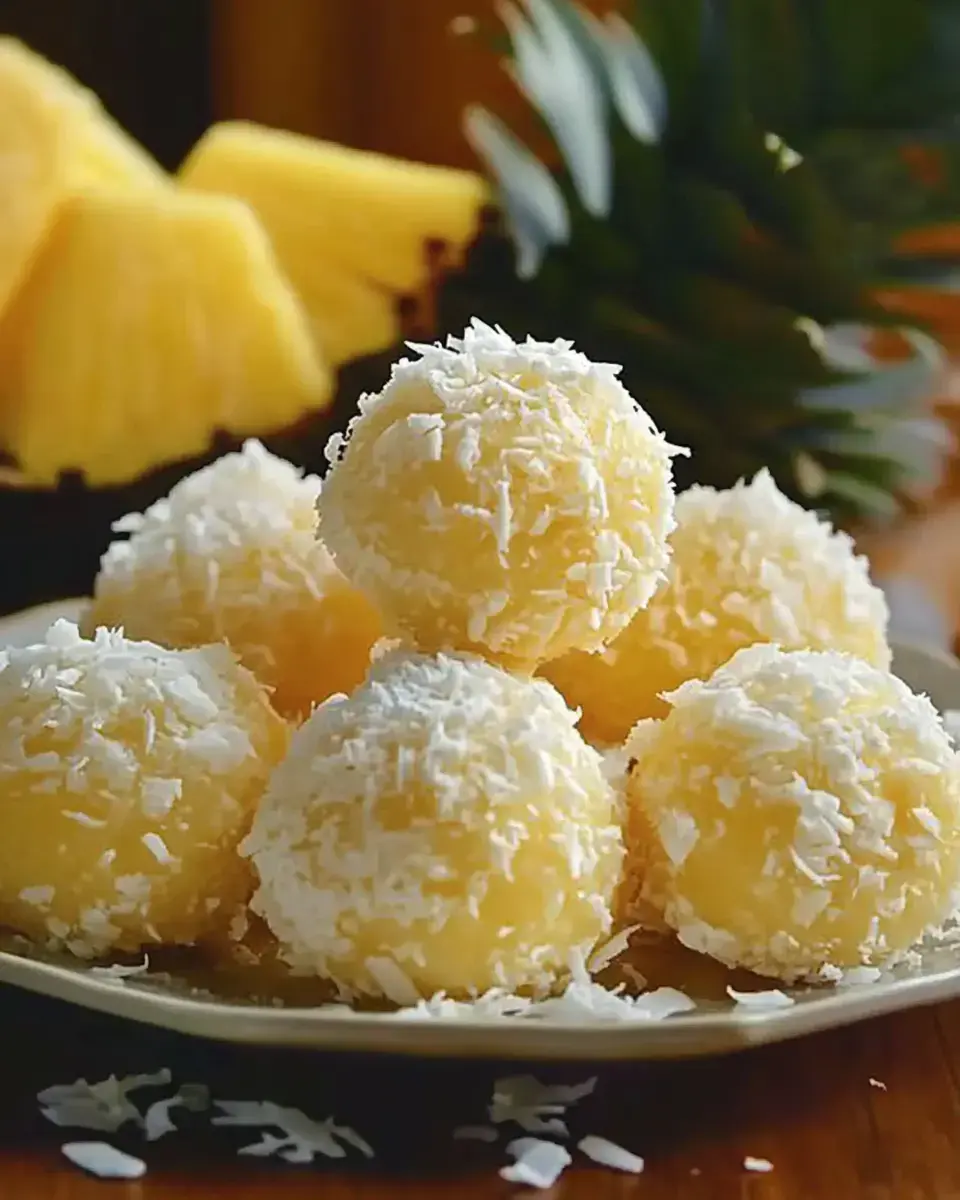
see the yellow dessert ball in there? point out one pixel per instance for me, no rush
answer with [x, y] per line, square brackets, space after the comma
[128, 775]
[231, 554]
[798, 813]
[505, 498]
[747, 565]
[445, 828]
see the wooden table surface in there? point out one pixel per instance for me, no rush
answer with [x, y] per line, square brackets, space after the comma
[809, 1107]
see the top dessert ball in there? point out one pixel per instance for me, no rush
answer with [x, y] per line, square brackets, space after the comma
[747, 565]
[506, 498]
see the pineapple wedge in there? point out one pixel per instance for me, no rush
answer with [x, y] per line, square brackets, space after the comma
[54, 138]
[329, 206]
[151, 319]
[351, 318]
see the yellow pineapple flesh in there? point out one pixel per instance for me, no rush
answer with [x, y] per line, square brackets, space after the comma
[54, 138]
[350, 317]
[150, 319]
[328, 205]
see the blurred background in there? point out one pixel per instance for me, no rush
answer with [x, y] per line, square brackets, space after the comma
[755, 207]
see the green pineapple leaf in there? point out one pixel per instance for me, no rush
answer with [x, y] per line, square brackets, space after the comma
[726, 222]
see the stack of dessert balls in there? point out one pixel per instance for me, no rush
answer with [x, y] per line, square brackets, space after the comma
[374, 711]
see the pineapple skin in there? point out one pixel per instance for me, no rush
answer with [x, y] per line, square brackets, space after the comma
[150, 321]
[55, 138]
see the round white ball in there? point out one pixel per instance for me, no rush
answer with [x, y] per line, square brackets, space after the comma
[445, 826]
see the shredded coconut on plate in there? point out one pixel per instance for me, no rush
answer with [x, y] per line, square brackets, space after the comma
[611, 949]
[859, 976]
[120, 971]
[537, 1163]
[581, 1001]
[761, 1001]
[103, 1160]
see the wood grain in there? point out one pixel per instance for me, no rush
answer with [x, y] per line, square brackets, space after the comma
[379, 74]
[809, 1107]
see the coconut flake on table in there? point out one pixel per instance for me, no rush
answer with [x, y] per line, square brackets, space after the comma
[303, 1138]
[103, 1106]
[760, 1165]
[537, 1163]
[761, 1001]
[194, 1097]
[877, 1083]
[103, 1160]
[536, 1107]
[608, 1154]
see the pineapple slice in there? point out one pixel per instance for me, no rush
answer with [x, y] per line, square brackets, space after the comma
[151, 319]
[323, 204]
[54, 138]
[351, 318]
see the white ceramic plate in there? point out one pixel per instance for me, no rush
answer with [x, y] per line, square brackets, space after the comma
[716, 1026]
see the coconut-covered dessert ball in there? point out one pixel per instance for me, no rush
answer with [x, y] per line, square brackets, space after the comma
[748, 565]
[443, 828]
[509, 499]
[794, 812]
[128, 774]
[231, 554]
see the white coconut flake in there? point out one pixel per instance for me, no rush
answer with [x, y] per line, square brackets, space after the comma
[83, 818]
[38, 896]
[121, 971]
[303, 1138]
[103, 1160]
[877, 1083]
[158, 848]
[194, 1097]
[393, 980]
[761, 1165]
[605, 954]
[538, 1163]
[859, 976]
[103, 1106]
[608, 1154]
[536, 1107]
[761, 1001]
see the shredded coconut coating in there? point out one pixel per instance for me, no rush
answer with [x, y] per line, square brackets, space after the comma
[232, 555]
[128, 774]
[747, 566]
[509, 499]
[444, 829]
[797, 814]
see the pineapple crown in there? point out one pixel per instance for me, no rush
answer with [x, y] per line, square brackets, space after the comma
[730, 210]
